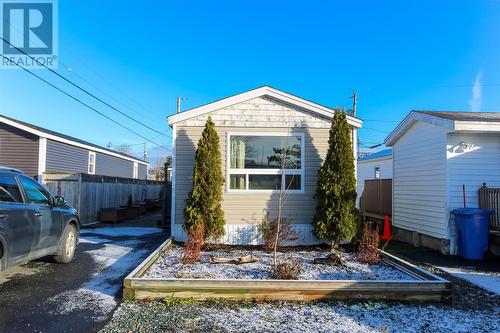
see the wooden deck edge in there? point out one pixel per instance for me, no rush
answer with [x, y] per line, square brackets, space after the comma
[427, 287]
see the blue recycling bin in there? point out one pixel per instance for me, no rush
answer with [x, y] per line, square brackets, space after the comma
[472, 226]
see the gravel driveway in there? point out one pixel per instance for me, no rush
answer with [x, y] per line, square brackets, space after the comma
[42, 296]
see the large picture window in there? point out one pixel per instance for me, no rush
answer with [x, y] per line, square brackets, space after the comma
[267, 162]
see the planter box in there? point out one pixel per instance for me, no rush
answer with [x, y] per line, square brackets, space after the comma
[425, 287]
[132, 212]
[114, 215]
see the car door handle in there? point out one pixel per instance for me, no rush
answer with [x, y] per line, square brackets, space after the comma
[3, 216]
[37, 213]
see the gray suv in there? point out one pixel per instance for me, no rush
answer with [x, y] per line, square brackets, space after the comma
[33, 223]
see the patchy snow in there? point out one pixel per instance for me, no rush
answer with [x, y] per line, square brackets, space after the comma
[113, 259]
[489, 281]
[168, 266]
[120, 231]
[368, 317]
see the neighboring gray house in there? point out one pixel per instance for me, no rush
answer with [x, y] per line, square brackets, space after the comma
[250, 125]
[36, 151]
[434, 155]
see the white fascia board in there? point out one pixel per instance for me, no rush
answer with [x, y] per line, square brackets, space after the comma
[263, 91]
[45, 135]
[477, 126]
[410, 119]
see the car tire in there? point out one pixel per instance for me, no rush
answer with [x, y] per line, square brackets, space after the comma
[67, 245]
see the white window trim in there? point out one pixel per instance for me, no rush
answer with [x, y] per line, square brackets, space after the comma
[230, 171]
[91, 153]
[135, 170]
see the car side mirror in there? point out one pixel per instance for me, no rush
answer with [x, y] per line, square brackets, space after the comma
[59, 201]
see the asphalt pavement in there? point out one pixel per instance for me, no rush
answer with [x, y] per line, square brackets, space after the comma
[44, 296]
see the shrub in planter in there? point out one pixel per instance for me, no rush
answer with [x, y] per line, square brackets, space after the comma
[336, 212]
[288, 269]
[368, 248]
[203, 205]
[192, 247]
[268, 229]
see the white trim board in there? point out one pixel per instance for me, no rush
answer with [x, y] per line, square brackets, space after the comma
[258, 92]
[248, 234]
[46, 135]
[42, 158]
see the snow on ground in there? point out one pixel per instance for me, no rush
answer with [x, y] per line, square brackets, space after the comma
[489, 281]
[168, 266]
[119, 231]
[300, 317]
[113, 259]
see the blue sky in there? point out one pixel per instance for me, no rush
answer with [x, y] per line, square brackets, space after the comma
[141, 55]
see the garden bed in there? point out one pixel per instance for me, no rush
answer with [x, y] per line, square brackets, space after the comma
[162, 276]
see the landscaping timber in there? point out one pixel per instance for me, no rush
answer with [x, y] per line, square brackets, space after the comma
[425, 287]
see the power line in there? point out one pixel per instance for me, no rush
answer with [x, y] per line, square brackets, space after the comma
[85, 104]
[70, 69]
[83, 89]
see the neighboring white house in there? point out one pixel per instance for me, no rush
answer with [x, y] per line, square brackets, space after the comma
[374, 166]
[434, 154]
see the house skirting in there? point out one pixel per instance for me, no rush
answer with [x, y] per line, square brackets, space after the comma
[240, 234]
[418, 239]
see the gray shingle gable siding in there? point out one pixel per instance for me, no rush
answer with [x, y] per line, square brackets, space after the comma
[18, 149]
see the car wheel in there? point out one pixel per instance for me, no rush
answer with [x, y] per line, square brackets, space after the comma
[67, 245]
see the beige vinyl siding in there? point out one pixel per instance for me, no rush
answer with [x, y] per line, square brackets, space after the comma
[419, 180]
[249, 208]
[472, 166]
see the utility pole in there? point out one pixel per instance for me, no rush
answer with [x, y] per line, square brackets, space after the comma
[145, 151]
[354, 102]
[179, 99]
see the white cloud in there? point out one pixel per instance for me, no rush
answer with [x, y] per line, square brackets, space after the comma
[475, 101]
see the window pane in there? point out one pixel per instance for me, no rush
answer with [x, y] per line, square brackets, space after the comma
[35, 193]
[9, 191]
[265, 152]
[292, 182]
[237, 182]
[264, 182]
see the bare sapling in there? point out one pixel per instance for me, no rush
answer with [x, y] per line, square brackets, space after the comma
[368, 251]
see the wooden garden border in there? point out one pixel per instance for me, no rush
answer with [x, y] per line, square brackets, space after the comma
[425, 287]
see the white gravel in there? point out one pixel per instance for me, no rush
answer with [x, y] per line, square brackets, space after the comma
[168, 266]
[302, 317]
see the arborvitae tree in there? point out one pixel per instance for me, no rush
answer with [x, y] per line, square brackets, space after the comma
[335, 217]
[203, 205]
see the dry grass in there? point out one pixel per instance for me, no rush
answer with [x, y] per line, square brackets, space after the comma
[268, 228]
[368, 248]
[288, 269]
[192, 247]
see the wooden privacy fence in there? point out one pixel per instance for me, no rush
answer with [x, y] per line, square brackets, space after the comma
[89, 193]
[376, 198]
[489, 198]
